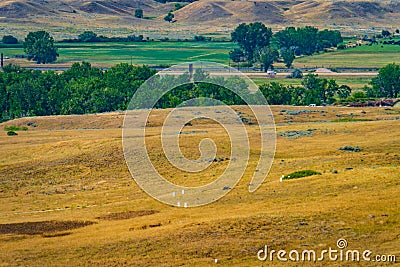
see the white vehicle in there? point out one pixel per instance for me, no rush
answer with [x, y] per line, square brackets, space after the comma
[271, 73]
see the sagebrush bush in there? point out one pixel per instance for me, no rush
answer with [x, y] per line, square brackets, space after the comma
[11, 133]
[15, 128]
[300, 174]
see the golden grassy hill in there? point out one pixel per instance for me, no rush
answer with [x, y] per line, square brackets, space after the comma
[205, 16]
[68, 199]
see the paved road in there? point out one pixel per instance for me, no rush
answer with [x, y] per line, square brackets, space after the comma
[349, 72]
[281, 75]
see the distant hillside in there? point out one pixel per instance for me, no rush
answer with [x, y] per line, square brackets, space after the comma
[203, 16]
[14, 9]
[297, 11]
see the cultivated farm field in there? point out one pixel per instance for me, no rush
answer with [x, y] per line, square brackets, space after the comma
[148, 53]
[374, 56]
[67, 197]
[170, 53]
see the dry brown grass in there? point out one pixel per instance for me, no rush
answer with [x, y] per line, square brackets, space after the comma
[201, 17]
[126, 215]
[77, 174]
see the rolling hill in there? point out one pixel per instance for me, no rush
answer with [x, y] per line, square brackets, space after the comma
[204, 16]
[67, 197]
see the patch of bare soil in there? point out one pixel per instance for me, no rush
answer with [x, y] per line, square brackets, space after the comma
[37, 228]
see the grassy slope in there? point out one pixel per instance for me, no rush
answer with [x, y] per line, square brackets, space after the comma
[86, 177]
[202, 17]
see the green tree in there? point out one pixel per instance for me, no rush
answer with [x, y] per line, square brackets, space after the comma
[9, 39]
[276, 93]
[81, 70]
[267, 56]
[385, 33]
[169, 17]
[87, 36]
[178, 6]
[314, 90]
[358, 96]
[139, 13]
[252, 38]
[237, 56]
[288, 57]
[343, 91]
[307, 40]
[387, 83]
[331, 88]
[296, 74]
[39, 46]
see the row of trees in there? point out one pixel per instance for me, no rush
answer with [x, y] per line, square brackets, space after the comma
[81, 89]
[85, 89]
[92, 37]
[387, 83]
[313, 91]
[39, 46]
[257, 43]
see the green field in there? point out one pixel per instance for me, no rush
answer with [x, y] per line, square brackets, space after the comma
[365, 56]
[150, 53]
[162, 53]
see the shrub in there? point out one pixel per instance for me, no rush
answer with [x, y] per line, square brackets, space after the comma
[359, 95]
[350, 120]
[139, 13]
[350, 149]
[8, 39]
[11, 133]
[169, 17]
[13, 128]
[296, 74]
[178, 6]
[300, 174]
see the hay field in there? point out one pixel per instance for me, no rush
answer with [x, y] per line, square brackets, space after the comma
[158, 53]
[67, 197]
[375, 56]
[146, 53]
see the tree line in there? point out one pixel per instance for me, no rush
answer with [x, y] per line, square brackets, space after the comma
[40, 46]
[92, 37]
[85, 89]
[313, 90]
[78, 90]
[257, 44]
